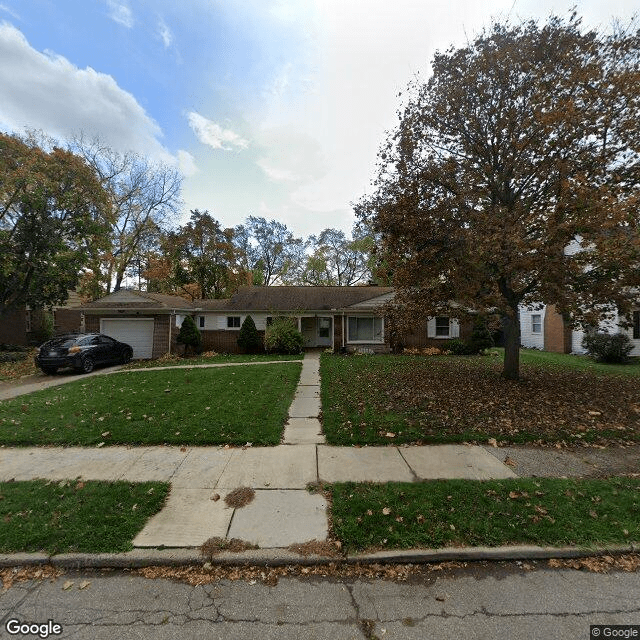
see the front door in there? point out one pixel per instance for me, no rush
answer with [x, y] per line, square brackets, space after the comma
[324, 326]
[308, 329]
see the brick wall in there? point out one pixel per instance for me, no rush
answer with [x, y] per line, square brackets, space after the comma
[222, 341]
[557, 333]
[66, 320]
[13, 327]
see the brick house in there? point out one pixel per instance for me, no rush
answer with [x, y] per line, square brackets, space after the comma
[337, 318]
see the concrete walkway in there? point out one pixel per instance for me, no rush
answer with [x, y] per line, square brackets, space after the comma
[283, 512]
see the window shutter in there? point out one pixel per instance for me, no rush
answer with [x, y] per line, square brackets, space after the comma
[431, 327]
[454, 328]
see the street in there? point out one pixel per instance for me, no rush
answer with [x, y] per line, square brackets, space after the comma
[503, 600]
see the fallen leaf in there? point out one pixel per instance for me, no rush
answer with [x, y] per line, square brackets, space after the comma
[493, 442]
[215, 497]
[386, 511]
[84, 584]
[510, 462]
[67, 585]
[390, 435]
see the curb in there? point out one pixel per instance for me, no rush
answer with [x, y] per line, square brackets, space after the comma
[278, 557]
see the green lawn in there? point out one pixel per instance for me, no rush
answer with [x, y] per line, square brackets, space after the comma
[65, 517]
[440, 513]
[568, 361]
[233, 405]
[387, 399]
[220, 358]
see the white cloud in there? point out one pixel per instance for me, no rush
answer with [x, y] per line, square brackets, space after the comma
[47, 92]
[186, 163]
[120, 13]
[10, 11]
[212, 134]
[165, 34]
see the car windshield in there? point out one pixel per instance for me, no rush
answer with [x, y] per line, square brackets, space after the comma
[61, 343]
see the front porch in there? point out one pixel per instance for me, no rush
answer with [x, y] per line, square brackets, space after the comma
[317, 331]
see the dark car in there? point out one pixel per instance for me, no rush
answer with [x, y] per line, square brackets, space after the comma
[82, 351]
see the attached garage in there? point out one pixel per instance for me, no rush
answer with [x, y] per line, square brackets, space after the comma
[137, 332]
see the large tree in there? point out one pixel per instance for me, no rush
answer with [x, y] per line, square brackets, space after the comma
[54, 215]
[269, 251]
[337, 260]
[203, 257]
[144, 195]
[521, 143]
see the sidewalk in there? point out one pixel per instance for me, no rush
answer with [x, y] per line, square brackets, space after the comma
[283, 512]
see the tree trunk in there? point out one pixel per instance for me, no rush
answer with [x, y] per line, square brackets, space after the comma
[511, 323]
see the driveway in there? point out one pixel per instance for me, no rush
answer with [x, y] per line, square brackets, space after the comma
[29, 384]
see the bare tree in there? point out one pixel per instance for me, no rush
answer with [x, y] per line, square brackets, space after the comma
[143, 194]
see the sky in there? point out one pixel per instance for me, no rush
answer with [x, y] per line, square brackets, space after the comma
[272, 108]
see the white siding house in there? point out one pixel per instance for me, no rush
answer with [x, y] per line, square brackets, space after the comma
[532, 327]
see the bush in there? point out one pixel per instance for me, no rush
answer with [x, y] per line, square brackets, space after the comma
[606, 347]
[282, 336]
[481, 339]
[249, 338]
[189, 335]
[459, 347]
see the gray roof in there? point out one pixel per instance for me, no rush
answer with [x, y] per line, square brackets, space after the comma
[128, 299]
[250, 299]
[294, 298]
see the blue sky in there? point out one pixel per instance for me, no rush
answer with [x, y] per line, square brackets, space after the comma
[269, 107]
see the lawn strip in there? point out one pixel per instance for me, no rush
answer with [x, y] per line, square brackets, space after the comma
[75, 516]
[446, 513]
[219, 358]
[387, 399]
[232, 405]
[572, 361]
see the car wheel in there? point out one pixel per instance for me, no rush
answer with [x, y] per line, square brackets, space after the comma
[127, 354]
[50, 371]
[87, 364]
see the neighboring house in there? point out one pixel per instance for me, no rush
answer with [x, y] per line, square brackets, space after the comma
[544, 328]
[26, 326]
[337, 318]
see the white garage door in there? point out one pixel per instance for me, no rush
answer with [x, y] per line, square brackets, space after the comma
[136, 332]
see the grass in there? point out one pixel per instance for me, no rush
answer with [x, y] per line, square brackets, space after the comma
[74, 516]
[578, 363]
[232, 405]
[386, 399]
[218, 358]
[442, 513]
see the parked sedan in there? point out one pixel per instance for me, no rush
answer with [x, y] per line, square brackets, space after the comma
[81, 351]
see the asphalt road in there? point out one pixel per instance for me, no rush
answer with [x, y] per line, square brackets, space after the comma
[494, 602]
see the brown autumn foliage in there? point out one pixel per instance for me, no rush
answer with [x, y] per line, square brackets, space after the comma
[520, 142]
[435, 399]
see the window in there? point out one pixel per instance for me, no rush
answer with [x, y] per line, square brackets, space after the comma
[365, 329]
[233, 322]
[201, 322]
[636, 325]
[269, 321]
[442, 326]
[27, 321]
[536, 323]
